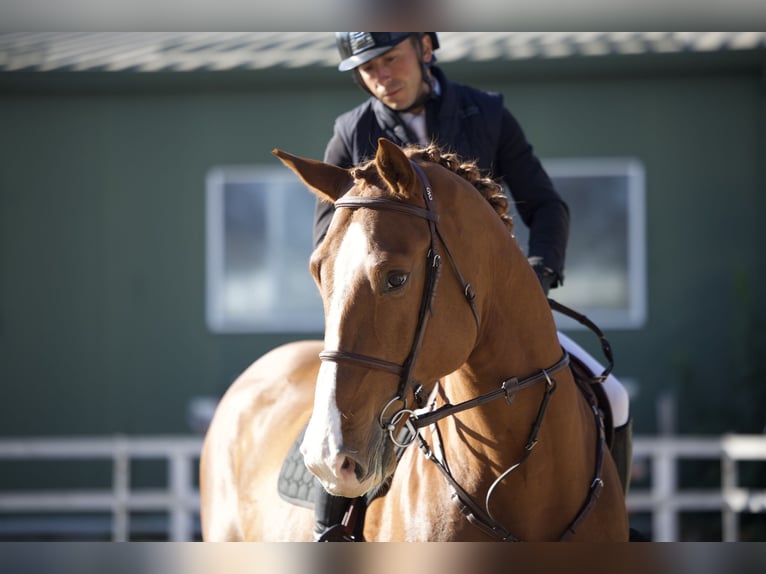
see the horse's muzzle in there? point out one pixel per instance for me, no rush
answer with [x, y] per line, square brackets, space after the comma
[344, 476]
[345, 473]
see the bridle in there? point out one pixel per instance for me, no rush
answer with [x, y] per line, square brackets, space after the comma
[417, 419]
[405, 371]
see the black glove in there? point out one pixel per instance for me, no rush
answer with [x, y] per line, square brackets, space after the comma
[548, 277]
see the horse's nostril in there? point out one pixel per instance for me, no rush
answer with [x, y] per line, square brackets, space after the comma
[349, 465]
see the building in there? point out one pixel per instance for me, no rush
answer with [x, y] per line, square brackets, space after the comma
[108, 139]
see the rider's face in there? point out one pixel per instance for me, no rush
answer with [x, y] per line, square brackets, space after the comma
[396, 77]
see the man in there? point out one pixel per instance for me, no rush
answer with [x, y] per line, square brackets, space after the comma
[412, 102]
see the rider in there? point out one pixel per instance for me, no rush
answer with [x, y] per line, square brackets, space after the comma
[413, 102]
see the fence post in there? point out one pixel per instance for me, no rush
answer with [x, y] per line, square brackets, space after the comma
[121, 486]
[729, 514]
[665, 515]
[180, 483]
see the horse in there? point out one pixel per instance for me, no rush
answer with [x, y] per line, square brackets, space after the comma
[440, 391]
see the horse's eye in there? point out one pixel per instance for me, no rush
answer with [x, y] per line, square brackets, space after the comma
[396, 280]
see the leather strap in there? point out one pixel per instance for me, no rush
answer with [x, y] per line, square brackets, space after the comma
[507, 388]
[381, 203]
[364, 360]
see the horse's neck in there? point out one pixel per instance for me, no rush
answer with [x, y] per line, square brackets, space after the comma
[518, 335]
[517, 339]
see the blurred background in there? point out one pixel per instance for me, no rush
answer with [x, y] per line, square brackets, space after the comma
[151, 248]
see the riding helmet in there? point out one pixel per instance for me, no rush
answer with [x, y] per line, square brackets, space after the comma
[356, 48]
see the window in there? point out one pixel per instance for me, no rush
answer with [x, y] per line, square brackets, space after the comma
[605, 275]
[259, 229]
[259, 239]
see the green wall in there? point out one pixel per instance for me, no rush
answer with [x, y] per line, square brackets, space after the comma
[700, 135]
[102, 241]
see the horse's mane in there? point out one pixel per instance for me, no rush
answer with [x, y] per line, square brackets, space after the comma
[468, 170]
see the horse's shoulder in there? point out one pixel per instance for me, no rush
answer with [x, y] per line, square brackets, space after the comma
[285, 374]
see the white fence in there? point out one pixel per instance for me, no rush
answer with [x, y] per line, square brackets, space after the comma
[180, 498]
[665, 500]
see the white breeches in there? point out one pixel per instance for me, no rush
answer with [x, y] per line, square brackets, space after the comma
[618, 396]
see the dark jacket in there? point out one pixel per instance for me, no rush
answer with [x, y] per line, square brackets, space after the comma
[476, 126]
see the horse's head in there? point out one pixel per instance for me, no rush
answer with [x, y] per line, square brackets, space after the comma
[385, 332]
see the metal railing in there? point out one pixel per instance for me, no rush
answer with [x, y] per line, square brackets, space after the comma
[663, 499]
[179, 499]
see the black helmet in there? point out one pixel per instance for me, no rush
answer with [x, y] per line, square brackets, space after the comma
[356, 48]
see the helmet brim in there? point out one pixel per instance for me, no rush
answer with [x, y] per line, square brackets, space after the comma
[355, 61]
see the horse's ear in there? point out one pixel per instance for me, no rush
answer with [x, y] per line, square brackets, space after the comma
[395, 167]
[327, 181]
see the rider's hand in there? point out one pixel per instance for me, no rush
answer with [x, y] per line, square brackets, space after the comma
[548, 277]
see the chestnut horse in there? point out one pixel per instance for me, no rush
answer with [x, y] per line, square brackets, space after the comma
[440, 383]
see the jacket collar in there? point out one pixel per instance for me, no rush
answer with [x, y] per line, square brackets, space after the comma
[390, 122]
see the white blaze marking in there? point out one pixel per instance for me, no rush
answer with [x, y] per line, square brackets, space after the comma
[348, 265]
[322, 443]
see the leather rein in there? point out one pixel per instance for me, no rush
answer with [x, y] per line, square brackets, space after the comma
[415, 420]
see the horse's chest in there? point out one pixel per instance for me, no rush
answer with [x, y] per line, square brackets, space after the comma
[420, 508]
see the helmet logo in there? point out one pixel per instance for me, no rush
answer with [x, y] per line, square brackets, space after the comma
[361, 41]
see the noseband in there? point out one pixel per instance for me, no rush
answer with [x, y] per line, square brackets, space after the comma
[433, 266]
